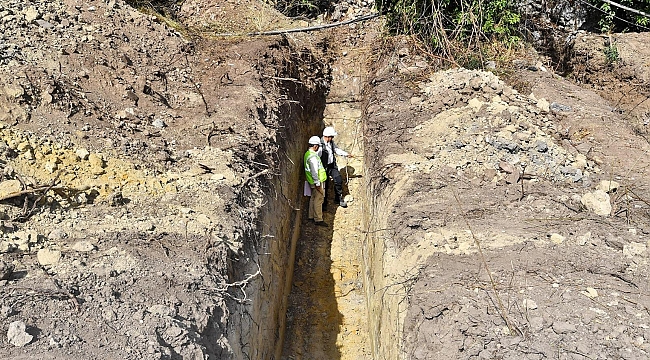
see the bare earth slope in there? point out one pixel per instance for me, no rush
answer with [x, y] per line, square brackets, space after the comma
[149, 182]
[509, 225]
[140, 156]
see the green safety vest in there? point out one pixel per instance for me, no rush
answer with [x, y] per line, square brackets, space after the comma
[322, 175]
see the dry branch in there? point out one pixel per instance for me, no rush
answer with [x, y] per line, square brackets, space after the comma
[306, 29]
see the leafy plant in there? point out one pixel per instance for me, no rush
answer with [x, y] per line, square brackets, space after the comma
[611, 53]
[621, 15]
[452, 27]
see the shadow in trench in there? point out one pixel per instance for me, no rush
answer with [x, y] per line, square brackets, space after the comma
[313, 318]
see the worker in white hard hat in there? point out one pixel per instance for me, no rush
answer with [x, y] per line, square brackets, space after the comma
[316, 177]
[327, 150]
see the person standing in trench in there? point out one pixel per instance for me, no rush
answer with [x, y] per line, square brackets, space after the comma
[316, 176]
[328, 150]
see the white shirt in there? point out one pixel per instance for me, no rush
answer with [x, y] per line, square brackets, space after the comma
[330, 158]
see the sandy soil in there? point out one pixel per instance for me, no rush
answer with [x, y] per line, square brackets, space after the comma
[485, 222]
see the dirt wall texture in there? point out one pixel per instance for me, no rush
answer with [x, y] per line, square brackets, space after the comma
[509, 225]
[143, 176]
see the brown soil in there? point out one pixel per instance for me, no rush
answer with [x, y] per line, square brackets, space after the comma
[161, 177]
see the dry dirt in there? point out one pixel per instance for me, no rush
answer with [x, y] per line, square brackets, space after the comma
[151, 186]
[486, 233]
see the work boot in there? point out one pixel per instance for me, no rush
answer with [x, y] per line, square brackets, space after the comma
[343, 204]
[320, 223]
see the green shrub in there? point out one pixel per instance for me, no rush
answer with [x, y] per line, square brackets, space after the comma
[452, 26]
[613, 18]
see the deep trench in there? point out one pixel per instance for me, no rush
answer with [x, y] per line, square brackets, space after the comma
[261, 331]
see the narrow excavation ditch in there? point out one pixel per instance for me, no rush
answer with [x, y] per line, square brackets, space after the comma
[310, 301]
[327, 316]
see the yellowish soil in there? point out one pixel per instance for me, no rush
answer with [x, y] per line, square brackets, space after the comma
[327, 317]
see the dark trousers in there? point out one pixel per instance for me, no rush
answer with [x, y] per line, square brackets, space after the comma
[335, 176]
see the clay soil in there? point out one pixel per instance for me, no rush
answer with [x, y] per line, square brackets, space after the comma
[154, 149]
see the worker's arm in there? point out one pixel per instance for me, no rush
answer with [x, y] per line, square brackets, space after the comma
[340, 152]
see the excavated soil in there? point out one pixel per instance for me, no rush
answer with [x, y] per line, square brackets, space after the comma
[486, 230]
[151, 185]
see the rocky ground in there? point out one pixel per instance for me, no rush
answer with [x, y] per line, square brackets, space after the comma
[517, 223]
[127, 149]
[136, 164]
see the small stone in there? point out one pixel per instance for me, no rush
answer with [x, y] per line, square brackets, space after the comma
[543, 105]
[529, 304]
[51, 167]
[31, 14]
[581, 162]
[96, 164]
[537, 323]
[57, 234]
[217, 177]
[48, 257]
[44, 24]
[597, 202]
[8, 187]
[17, 335]
[591, 292]
[415, 100]
[6, 311]
[6, 247]
[506, 167]
[6, 269]
[563, 327]
[83, 246]
[557, 238]
[348, 199]
[159, 123]
[203, 219]
[634, 249]
[559, 107]
[82, 154]
[584, 239]
[162, 310]
[109, 314]
[608, 186]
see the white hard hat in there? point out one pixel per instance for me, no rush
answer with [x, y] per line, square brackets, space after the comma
[329, 131]
[314, 140]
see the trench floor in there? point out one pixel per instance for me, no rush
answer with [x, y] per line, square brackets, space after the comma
[327, 316]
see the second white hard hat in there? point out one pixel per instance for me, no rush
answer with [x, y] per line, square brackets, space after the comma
[329, 131]
[314, 140]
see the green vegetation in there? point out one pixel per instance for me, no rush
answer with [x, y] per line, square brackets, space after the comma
[611, 53]
[166, 8]
[612, 18]
[306, 8]
[455, 27]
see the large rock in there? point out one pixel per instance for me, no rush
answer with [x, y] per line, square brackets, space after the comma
[8, 187]
[597, 202]
[48, 257]
[17, 336]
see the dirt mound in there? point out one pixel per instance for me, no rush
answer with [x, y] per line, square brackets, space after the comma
[134, 162]
[497, 226]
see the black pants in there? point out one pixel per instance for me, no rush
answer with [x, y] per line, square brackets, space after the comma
[334, 174]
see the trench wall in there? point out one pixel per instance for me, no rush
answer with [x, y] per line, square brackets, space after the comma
[258, 332]
[384, 298]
